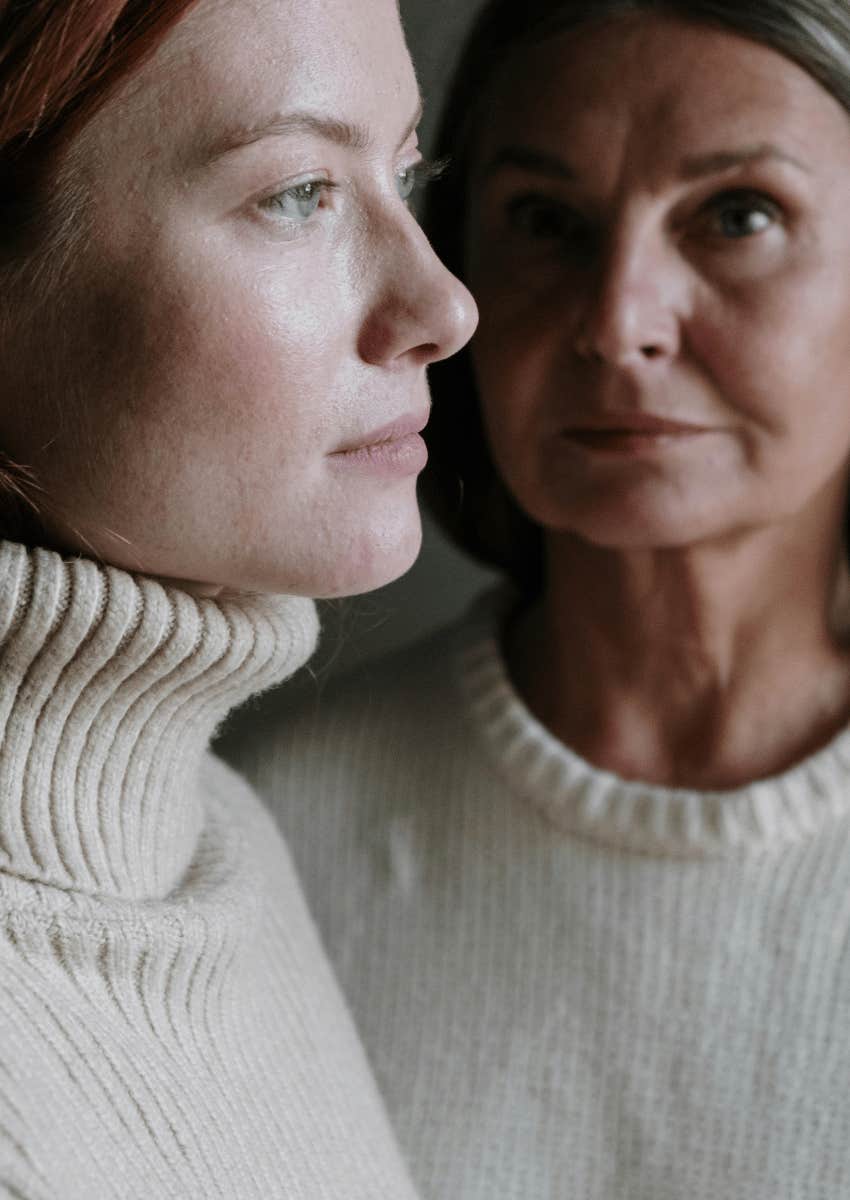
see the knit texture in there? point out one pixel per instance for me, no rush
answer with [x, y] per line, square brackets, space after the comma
[169, 1027]
[571, 985]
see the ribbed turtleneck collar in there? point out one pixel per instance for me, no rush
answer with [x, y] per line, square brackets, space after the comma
[581, 799]
[111, 686]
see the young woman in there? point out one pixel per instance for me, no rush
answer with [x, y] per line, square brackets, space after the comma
[582, 861]
[216, 311]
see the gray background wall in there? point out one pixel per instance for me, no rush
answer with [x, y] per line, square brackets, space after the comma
[435, 29]
[442, 581]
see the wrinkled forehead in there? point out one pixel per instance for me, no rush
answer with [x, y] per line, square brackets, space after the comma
[670, 80]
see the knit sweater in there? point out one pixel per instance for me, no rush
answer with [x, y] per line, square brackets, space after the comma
[571, 985]
[169, 1027]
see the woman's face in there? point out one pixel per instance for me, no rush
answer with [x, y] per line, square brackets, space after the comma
[659, 240]
[243, 340]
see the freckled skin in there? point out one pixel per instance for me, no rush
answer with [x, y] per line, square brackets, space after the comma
[216, 350]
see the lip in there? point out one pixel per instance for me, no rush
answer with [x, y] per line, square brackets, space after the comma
[646, 424]
[397, 430]
[630, 435]
[393, 450]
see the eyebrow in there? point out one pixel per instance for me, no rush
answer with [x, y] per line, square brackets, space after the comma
[553, 167]
[330, 129]
[527, 159]
[727, 160]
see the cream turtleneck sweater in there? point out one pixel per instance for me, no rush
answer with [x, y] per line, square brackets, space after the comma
[571, 986]
[169, 1028]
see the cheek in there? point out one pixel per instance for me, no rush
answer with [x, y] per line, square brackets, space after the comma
[781, 361]
[530, 307]
[233, 369]
[512, 349]
[520, 356]
[503, 385]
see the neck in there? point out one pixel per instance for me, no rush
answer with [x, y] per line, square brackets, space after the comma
[112, 687]
[705, 667]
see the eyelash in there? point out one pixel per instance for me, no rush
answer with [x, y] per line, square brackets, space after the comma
[745, 200]
[547, 222]
[521, 211]
[419, 175]
[304, 191]
[543, 218]
[424, 172]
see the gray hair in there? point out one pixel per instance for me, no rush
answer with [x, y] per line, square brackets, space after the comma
[813, 33]
[461, 484]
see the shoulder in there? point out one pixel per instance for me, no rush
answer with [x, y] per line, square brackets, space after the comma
[378, 738]
[403, 687]
[372, 779]
[410, 696]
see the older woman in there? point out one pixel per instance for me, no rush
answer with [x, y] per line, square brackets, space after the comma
[215, 315]
[582, 861]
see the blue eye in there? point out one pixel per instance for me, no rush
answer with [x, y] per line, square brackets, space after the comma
[406, 182]
[299, 202]
[411, 179]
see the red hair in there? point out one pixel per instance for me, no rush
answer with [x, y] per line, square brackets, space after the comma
[58, 62]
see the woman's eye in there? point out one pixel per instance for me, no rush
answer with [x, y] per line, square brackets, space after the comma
[411, 179]
[299, 202]
[542, 218]
[550, 222]
[406, 182]
[742, 215]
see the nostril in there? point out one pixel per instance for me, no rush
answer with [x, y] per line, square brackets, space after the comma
[651, 351]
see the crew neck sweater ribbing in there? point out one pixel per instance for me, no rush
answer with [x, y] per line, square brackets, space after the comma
[569, 984]
[584, 800]
[168, 1023]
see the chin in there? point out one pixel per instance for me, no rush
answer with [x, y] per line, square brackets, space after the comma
[371, 562]
[632, 526]
[344, 551]
[631, 534]
[353, 558]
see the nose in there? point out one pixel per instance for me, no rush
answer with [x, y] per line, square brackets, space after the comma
[631, 317]
[419, 312]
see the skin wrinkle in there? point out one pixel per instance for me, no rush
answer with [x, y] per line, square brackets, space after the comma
[707, 645]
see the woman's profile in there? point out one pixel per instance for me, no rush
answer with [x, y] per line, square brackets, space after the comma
[582, 859]
[216, 310]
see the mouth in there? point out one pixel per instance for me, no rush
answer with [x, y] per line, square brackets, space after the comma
[635, 433]
[407, 426]
[391, 450]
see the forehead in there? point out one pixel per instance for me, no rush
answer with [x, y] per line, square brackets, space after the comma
[668, 82]
[229, 64]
